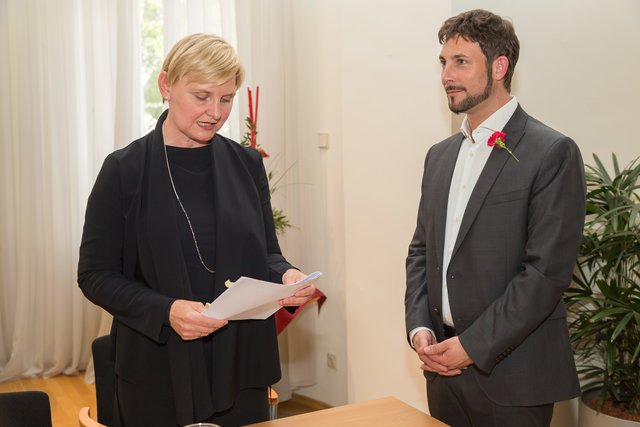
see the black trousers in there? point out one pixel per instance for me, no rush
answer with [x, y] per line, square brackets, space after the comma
[460, 402]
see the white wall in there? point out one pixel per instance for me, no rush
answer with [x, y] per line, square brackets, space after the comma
[392, 111]
[316, 198]
[362, 71]
[367, 73]
[578, 68]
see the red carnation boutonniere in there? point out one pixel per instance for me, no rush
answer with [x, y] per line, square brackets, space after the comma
[497, 140]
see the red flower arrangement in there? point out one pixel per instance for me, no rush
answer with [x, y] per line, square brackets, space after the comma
[249, 139]
[497, 140]
[280, 220]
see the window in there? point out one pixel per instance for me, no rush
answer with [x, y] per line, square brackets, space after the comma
[152, 55]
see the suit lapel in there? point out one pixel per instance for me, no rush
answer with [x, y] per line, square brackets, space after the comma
[445, 166]
[224, 208]
[497, 159]
[158, 219]
[236, 218]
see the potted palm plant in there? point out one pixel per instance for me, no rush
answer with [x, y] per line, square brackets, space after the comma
[603, 301]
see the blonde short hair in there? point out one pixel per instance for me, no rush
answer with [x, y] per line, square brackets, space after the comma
[203, 58]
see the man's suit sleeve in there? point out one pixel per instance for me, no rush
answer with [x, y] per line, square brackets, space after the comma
[416, 298]
[554, 230]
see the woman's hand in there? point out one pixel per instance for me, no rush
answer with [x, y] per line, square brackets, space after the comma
[186, 319]
[303, 295]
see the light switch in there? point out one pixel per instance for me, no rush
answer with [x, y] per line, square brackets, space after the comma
[323, 140]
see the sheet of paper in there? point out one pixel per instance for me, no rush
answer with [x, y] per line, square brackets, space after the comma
[250, 298]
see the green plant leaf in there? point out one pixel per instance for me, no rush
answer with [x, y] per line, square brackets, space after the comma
[603, 301]
[620, 327]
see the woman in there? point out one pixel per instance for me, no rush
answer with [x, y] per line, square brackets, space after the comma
[170, 219]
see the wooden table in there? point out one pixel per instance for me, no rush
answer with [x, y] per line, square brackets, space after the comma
[387, 411]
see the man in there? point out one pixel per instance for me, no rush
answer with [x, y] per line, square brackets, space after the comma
[499, 226]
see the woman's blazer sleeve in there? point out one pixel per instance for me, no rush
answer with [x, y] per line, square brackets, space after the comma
[277, 263]
[101, 266]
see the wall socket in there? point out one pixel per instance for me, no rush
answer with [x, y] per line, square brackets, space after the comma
[331, 361]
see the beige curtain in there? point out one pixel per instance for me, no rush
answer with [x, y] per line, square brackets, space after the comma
[71, 93]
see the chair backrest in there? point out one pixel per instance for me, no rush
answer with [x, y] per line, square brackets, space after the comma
[25, 409]
[105, 378]
[85, 420]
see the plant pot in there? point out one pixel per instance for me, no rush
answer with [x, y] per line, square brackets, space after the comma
[588, 417]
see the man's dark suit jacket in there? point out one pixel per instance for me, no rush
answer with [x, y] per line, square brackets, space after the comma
[512, 260]
[132, 265]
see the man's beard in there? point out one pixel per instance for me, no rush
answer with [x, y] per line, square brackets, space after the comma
[472, 100]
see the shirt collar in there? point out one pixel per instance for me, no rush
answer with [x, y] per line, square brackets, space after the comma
[495, 122]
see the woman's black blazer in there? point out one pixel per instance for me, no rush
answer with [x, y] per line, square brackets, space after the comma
[131, 264]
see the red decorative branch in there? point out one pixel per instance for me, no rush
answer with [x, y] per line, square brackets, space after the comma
[252, 123]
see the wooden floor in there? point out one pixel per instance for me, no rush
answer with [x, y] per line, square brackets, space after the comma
[67, 395]
[299, 404]
[70, 393]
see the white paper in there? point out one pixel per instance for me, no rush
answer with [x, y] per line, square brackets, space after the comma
[250, 298]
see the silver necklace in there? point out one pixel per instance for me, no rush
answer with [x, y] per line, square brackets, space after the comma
[193, 234]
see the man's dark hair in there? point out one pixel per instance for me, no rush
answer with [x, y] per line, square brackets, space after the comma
[495, 35]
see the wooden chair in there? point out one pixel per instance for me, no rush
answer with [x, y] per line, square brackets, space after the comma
[85, 420]
[273, 404]
[25, 409]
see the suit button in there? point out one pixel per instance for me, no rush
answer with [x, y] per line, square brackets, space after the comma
[436, 311]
